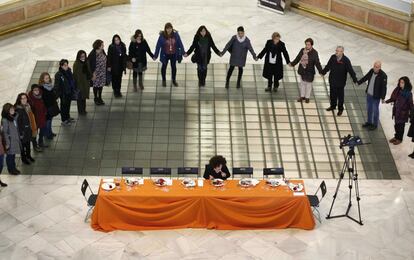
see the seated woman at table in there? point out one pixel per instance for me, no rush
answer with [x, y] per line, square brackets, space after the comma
[217, 169]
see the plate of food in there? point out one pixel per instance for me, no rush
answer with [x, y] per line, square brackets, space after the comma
[133, 181]
[187, 182]
[217, 182]
[161, 182]
[108, 186]
[248, 182]
[296, 186]
[273, 182]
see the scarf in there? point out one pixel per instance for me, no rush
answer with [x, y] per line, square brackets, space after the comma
[304, 59]
[37, 96]
[48, 86]
[241, 39]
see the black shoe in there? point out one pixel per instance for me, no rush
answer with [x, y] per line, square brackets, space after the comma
[96, 100]
[372, 128]
[2, 184]
[53, 134]
[30, 158]
[164, 83]
[411, 155]
[227, 84]
[101, 102]
[25, 161]
[238, 85]
[15, 172]
[199, 83]
[330, 109]
[268, 89]
[340, 112]
[275, 89]
[366, 125]
[175, 84]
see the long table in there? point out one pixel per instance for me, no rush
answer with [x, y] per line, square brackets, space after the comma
[149, 207]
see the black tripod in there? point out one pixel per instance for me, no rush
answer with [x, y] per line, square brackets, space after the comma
[350, 167]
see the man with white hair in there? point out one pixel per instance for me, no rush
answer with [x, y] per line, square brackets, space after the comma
[376, 91]
[339, 66]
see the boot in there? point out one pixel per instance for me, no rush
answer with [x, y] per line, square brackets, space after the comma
[141, 84]
[200, 81]
[96, 100]
[269, 86]
[175, 84]
[134, 83]
[239, 77]
[275, 85]
[25, 160]
[2, 184]
[30, 158]
[411, 155]
[204, 76]
[227, 84]
[164, 83]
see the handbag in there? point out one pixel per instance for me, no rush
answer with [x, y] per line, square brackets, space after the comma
[129, 64]
[193, 58]
[53, 110]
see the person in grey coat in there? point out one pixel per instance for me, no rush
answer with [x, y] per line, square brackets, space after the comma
[11, 137]
[238, 46]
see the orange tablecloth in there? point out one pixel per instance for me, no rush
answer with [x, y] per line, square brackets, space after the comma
[149, 207]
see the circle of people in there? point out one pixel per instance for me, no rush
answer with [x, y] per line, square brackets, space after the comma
[29, 120]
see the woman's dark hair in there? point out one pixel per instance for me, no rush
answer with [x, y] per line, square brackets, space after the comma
[97, 44]
[6, 110]
[407, 84]
[202, 27]
[240, 29]
[62, 62]
[19, 97]
[168, 26]
[137, 33]
[79, 54]
[217, 160]
[309, 40]
[116, 36]
[34, 86]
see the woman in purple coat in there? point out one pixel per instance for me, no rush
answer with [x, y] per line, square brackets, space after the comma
[403, 103]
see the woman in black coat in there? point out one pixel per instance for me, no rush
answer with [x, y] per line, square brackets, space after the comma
[138, 49]
[116, 63]
[216, 169]
[202, 45]
[411, 130]
[273, 66]
[24, 126]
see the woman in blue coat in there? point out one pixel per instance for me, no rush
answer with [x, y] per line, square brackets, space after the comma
[172, 49]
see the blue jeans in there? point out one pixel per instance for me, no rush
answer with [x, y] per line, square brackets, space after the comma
[173, 61]
[49, 128]
[373, 110]
[11, 162]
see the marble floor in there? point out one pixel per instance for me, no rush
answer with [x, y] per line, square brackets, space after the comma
[41, 217]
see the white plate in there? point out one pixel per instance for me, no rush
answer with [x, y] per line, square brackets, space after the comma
[299, 187]
[108, 186]
[219, 184]
[189, 182]
[110, 180]
[251, 182]
[274, 182]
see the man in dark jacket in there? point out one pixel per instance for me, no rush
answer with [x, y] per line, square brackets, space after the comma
[376, 91]
[339, 66]
[308, 59]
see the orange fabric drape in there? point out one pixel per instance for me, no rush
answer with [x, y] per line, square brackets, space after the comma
[148, 207]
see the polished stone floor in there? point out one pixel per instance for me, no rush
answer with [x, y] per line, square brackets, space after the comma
[41, 216]
[186, 125]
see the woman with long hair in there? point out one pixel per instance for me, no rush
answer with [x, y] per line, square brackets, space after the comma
[202, 45]
[50, 99]
[11, 137]
[117, 63]
[97, 62]
[402, 98]
[82, 75]
[25, 125]
[138, 50]
[172, 49]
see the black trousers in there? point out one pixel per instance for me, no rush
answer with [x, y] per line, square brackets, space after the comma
[202, 73]
[65, 108]
[81, 105]
[337, 95]
[271, 80]
[399, 131]
[136, 75]
[230, 71]
[116, 82]
[25, 150]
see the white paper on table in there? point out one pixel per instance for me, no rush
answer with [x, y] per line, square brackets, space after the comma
[200, 183]
[298, 194]
[141, 181]
[169, 182]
